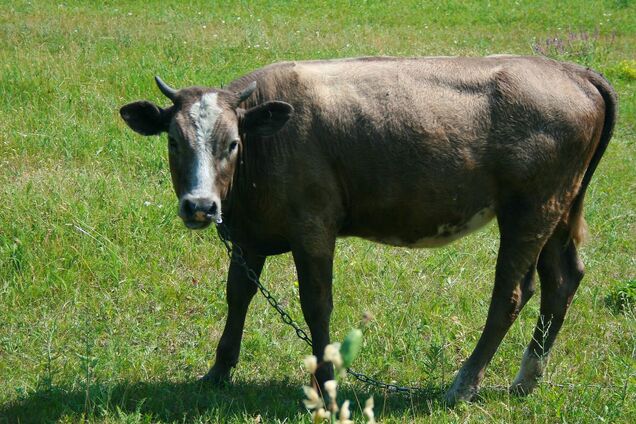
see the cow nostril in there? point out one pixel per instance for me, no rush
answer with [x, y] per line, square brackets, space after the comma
[212, 210]
[188, 207]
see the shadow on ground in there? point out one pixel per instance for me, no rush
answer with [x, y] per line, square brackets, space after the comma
[160, 401]
[186, 401]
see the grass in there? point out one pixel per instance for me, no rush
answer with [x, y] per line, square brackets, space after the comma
[109, 308]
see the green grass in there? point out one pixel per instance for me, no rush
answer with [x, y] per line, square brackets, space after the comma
[110, 308]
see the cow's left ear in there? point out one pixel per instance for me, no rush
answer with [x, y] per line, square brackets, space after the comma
[265, 119]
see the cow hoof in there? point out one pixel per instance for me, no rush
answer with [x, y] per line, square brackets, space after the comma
[460, 392]
[529, 375]
[522, 388]
[454, 396]
[464, 387]
[216, 377]
[523, 385]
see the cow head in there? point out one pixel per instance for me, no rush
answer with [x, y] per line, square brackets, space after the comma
[205, 128]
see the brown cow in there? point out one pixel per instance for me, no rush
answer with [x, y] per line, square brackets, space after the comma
[413, 152]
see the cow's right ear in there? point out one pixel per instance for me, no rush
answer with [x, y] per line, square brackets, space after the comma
[146, 118]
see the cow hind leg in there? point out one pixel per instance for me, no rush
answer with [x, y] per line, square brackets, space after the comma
[523, 232]
[560, 271]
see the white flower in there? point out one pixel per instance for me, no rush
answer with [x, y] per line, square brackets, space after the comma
[332, 354]
[320, 414]
[368, 411]
[330, 387]
[345, 414]
[313, 400]
[311, 363]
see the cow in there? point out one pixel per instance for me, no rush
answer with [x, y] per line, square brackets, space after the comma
[412, 152]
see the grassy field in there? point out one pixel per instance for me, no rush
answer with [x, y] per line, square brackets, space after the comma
[110, 309]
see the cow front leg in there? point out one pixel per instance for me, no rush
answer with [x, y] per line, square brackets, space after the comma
[314, 265]
[240, 291]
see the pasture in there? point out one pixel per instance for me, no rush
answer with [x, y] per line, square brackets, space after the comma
[110, 309]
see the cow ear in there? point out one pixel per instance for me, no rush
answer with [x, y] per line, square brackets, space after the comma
[265, 119]
[146, 118]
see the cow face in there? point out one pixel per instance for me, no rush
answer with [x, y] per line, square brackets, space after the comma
[205, 128]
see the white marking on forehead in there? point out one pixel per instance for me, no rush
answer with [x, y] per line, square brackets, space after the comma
[204, 114]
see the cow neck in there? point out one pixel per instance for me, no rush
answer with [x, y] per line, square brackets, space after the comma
[242, 196]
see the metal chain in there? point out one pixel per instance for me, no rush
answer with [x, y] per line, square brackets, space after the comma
[235, 253]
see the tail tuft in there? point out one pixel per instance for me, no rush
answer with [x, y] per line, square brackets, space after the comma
[579, 230]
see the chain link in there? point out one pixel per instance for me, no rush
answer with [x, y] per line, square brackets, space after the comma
[235, 253]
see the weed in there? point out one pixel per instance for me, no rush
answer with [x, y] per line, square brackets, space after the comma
[341, 356]
[622, 296]
[624, 70]
[581, 47]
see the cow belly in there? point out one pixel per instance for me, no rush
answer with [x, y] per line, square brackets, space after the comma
[446, 233]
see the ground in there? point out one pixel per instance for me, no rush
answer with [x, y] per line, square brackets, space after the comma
[110, 308]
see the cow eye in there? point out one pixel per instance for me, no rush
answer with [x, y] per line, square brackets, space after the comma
[232, 146]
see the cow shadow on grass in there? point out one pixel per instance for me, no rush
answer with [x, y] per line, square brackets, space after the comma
[187, 401]
[164, 401]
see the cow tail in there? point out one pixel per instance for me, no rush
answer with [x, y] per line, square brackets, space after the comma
[576, 222]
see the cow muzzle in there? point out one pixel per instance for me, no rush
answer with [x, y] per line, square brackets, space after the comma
[199, 212]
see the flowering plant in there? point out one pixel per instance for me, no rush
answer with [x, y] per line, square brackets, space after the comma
[341, 356]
